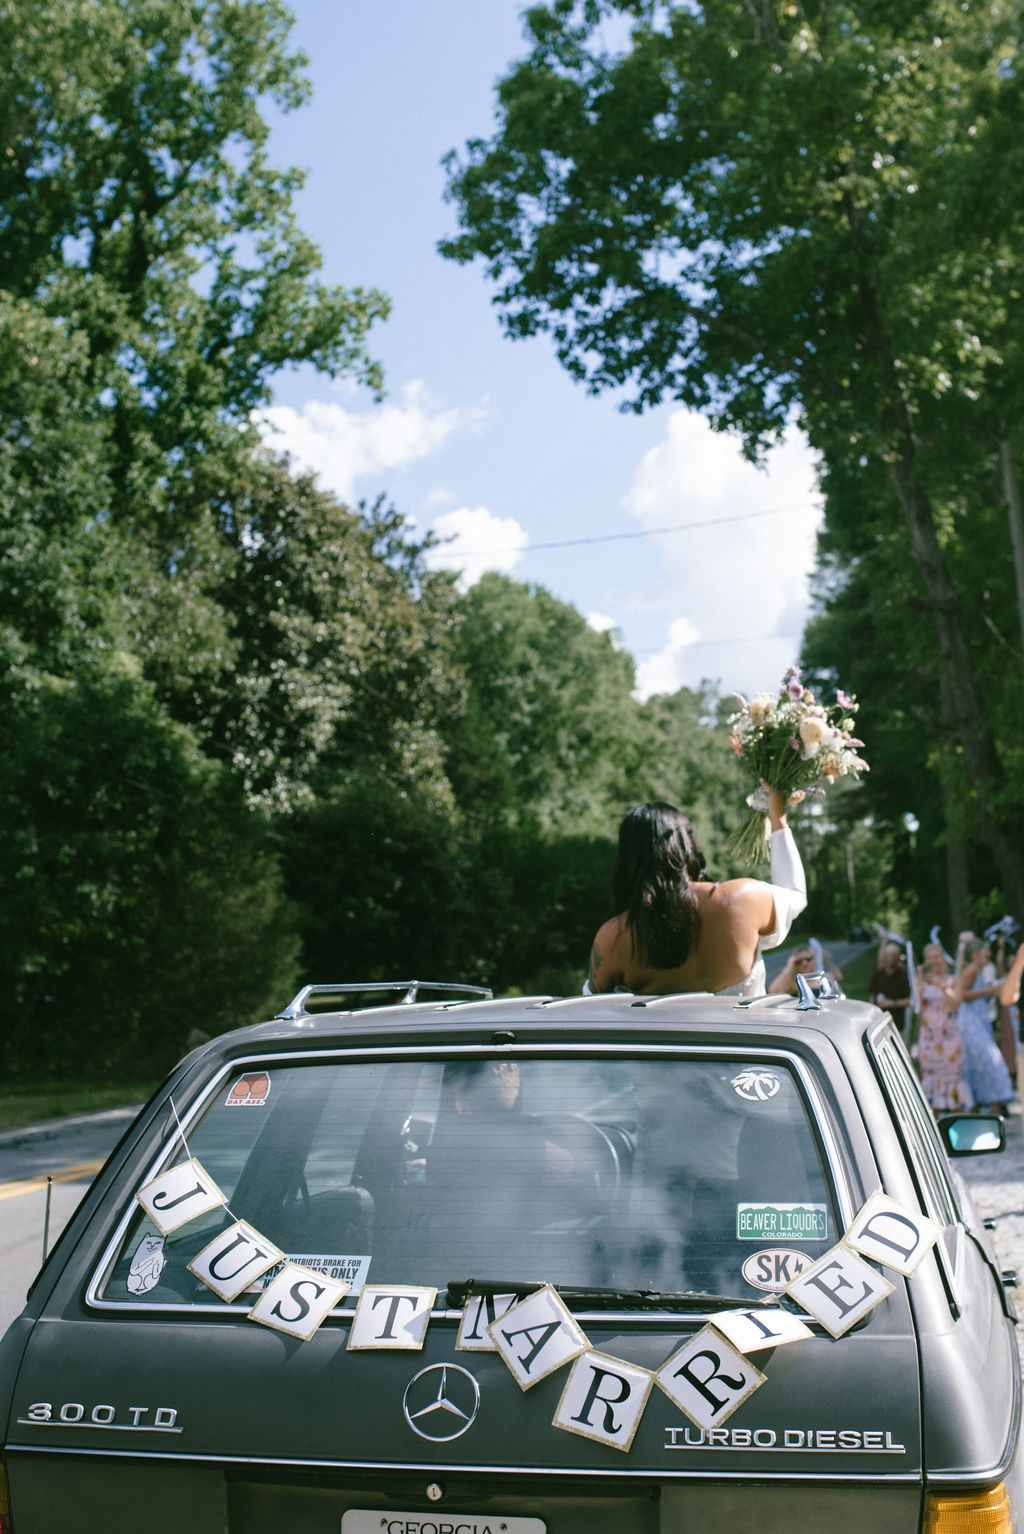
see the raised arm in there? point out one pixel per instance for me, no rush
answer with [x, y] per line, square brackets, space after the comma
[1009, 991]
[788, 885]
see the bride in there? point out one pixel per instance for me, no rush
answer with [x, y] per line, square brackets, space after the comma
[676, 931]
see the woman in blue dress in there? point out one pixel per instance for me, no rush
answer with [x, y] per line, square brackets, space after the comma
[984, 1066]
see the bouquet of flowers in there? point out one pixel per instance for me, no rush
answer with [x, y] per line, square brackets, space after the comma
[792, 743]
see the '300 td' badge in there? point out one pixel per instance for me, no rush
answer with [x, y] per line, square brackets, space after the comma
[774, 1268]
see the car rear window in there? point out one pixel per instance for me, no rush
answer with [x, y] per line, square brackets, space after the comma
[649, 1172]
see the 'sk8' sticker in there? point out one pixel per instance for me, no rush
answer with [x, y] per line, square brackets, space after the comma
[775, 1267]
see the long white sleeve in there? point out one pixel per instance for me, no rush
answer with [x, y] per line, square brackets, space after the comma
[788, 887]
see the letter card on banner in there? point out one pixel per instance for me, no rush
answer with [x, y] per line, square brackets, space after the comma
[234, 1260]
[767, 1327]
[538, 1336]
[604, 1399]
[297, 1301]
[478, 1313]
[708, 1379]
[839, 1289]
[179, 1195]
[391, 1316]
[890, 1233]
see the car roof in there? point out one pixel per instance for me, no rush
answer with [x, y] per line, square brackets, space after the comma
[524, 1020]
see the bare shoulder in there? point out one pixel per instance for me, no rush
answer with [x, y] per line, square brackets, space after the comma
[748, 900]
[611, 933]
[607, 954]
[743, 891]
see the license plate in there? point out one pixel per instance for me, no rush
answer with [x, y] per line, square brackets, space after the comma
[362, 1520]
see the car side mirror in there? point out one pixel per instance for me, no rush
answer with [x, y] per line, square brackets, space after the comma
[976, 1135]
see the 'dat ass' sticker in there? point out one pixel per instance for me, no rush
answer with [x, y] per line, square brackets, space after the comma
[249, 1091]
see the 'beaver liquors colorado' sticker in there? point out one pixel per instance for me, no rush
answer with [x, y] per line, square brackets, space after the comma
[781, 1222]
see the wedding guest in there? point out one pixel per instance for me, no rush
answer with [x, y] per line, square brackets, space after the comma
[811, 959]
[889, 986]
[1004, 1020]
[1009, 998]
[1009, 990]
[800, 962]
[678, 931]
[940, 1052]
[984, 1066]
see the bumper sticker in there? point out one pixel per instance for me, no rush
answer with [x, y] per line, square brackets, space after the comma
[781, 1222]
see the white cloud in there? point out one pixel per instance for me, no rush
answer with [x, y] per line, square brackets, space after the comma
[737, 585]
[344, 446]
[601, 622]
[667, 670]
[479, 541]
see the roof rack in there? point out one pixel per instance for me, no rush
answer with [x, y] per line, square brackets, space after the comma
[410, 989]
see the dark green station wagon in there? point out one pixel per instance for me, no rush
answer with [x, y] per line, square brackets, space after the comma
[446, 1264]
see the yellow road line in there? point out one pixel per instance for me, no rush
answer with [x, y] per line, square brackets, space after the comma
[33, 1184]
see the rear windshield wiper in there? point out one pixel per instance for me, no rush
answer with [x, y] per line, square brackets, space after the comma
[593, 1298]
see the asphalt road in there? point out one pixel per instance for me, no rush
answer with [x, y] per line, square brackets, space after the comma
[71, 1152]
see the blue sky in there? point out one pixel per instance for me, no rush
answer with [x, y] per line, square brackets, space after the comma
[489, 439]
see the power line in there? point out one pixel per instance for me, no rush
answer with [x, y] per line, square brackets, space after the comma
[647, 532]
[699, 644]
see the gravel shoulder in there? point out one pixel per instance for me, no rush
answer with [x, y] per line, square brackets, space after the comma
[997, 1188]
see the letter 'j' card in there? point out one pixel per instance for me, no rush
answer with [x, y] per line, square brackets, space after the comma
[179, 1195]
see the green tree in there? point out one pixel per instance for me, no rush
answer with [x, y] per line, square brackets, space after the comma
[550, 730]
[137, 203]
[755, 209]
[153, 281]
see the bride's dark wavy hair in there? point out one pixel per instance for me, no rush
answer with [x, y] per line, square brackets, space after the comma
[657, 862]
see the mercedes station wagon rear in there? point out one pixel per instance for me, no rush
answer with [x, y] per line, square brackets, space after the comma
[602, 1265]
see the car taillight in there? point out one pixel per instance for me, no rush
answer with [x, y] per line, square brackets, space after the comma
[983, 1512]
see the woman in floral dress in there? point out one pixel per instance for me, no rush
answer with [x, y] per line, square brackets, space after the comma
[984, 1066]
[940, 1052]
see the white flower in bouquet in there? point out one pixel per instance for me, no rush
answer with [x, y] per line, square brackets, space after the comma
[813, 731]
[792, 743]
